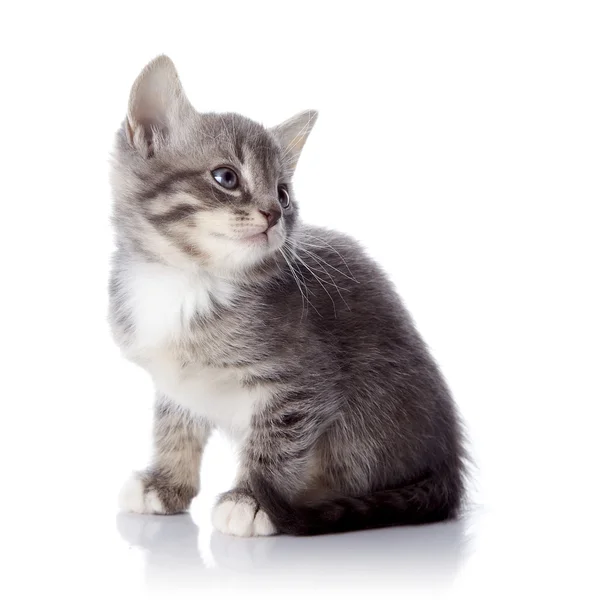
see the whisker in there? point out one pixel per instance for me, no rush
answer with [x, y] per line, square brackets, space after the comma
[336, 251]
[324, 270]
[321, 282]
[322, 260]
[296, 275]
[295, 279]
[300, 276]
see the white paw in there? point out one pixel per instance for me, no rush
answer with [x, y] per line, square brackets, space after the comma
[133, 498]
[241, 518]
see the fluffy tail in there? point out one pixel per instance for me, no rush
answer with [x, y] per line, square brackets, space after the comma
[426, 500]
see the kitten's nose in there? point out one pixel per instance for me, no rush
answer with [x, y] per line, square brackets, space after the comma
[273, 215]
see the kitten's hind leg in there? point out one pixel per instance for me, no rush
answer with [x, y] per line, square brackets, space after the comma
[173, 479]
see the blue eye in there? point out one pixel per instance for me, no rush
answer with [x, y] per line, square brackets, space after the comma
[226, 178]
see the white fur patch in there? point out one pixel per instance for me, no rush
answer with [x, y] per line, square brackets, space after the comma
[162, 299]
[240, 519]
[132, 498]
[216, 394]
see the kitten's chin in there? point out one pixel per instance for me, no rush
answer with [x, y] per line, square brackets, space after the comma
[258, 238]
[235, 256]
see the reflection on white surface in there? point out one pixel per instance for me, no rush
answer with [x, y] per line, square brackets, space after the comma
[410, 556]
[170, 544]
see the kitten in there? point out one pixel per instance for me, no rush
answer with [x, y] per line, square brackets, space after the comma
[285, 336]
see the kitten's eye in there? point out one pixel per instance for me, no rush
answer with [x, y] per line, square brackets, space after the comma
[284, 196]
[225, 177]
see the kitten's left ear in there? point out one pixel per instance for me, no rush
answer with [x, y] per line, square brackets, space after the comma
[292, 135]
[157, 106]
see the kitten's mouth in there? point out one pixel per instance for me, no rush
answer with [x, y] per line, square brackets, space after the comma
[254, 238]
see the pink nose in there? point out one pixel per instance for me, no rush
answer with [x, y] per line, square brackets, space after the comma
[273, 215]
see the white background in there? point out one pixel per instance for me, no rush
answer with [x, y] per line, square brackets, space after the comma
[460, 141]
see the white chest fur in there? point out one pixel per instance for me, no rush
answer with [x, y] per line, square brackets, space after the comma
[161, 303]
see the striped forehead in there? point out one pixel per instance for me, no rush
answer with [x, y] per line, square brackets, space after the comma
[260, 163]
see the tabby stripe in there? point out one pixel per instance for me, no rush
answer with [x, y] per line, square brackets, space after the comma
[179, 212]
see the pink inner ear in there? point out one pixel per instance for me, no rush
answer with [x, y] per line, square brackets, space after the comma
[129, 131]
[142, 129]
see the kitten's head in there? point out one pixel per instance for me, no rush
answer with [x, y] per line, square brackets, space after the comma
[202, 189]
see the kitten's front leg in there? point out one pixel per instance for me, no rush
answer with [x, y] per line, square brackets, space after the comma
[279, 448]
[173, 479]
[237, 513]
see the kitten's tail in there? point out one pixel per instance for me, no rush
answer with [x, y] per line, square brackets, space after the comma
[426, 500]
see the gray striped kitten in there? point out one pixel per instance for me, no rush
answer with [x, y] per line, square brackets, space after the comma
[285, 336]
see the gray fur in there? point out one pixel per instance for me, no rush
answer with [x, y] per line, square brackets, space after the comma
[179, 440]
[356, 405]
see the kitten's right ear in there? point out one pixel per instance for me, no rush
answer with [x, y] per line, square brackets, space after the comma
[157, 103]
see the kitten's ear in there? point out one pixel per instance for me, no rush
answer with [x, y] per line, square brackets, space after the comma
[292, 135]
[157, 103]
